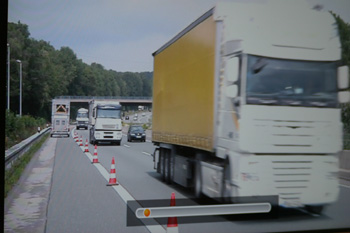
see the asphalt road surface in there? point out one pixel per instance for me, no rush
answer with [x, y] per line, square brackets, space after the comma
[80, 201]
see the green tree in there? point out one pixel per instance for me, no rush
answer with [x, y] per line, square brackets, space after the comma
[344, 33]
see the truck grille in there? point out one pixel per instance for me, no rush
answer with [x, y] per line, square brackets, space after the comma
[265, 129]
[108, 126]
[291, 178]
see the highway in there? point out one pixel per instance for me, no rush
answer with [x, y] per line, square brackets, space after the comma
[80, 201]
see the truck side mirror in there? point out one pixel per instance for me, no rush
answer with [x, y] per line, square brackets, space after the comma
[343, 77]
[232, 69]
[232, 91]
[344, 96]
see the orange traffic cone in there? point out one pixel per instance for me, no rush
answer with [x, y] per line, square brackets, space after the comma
[94, 158]
[86, 146]
[113, 176]
[81, 141]
[172, 226]
[76, 137]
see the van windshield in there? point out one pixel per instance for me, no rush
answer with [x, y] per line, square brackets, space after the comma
[291, 83]
[82, 115]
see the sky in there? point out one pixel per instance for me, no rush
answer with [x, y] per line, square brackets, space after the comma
[120, 34]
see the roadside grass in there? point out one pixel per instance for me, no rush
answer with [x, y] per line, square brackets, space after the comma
[13, 174]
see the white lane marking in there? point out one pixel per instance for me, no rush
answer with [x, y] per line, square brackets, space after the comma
[143, 152]
[154, 226]
[126, 146]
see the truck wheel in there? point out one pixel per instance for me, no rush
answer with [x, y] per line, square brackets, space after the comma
[161, 162]
[226, 186]
[167, 166]
[314, 209]
[197, 180]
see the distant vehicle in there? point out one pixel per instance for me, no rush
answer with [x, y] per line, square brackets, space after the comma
[82, 118]
[143, 114]
[136, 132]
[60, 117]
[105, 120]
[135, 118]
[127, 118]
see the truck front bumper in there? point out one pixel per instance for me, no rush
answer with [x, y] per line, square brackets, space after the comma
[108, 136]
[296, 180]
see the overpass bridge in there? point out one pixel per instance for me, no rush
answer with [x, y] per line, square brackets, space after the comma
[128, 102]
[121, 99]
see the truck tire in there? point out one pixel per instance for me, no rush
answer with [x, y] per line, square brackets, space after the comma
[314, 209]
[226, 186]
[161, 162]
[167, 164]
[91, 137]
[198, 180]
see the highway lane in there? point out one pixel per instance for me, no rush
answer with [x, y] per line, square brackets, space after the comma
[80, 201]
[135, 172]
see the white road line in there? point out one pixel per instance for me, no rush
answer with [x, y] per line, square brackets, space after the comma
[126, 146]
[153, 227]
[143, 152]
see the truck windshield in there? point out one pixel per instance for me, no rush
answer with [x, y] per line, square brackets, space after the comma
[291, 83]
[108, 113]
[82, 115]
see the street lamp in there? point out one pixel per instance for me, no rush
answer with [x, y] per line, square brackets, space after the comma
[20, 87]
[8, 76]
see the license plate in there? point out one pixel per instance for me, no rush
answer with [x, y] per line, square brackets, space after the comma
[138, 136]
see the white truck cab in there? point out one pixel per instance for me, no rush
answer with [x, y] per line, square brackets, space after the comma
[105, 119]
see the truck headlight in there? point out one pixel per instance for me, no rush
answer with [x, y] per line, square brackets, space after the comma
[332, 175]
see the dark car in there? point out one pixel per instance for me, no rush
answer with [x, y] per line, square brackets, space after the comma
[136, 132]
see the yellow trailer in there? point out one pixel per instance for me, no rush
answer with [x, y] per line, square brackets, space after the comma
[183, 88]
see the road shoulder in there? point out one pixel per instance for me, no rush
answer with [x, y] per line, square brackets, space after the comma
[25, 207]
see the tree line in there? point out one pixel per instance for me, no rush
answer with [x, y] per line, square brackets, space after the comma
[47, 73]
[344, 33]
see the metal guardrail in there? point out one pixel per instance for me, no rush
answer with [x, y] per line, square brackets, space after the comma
[15, 152]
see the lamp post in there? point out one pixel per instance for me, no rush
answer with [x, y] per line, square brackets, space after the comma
[20, 87]
[8, 76]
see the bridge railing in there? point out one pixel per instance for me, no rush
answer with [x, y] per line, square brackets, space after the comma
[106, 97]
